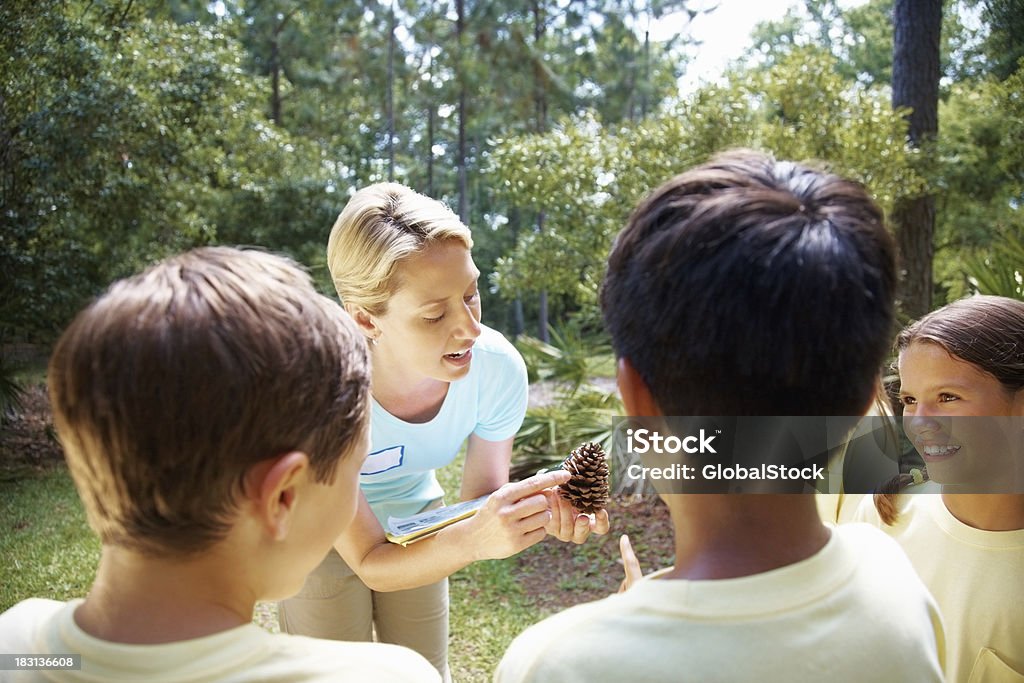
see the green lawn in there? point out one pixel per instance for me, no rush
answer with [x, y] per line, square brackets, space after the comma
[48, 549]
[488, 606]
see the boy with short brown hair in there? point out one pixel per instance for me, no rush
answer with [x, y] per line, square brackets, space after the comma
[213, 410]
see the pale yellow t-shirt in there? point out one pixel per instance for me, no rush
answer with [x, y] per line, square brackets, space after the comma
[245, 653]
[854, 611]
[977, 578]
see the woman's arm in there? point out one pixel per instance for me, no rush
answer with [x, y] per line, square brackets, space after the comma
[486, 467]
[512, 520]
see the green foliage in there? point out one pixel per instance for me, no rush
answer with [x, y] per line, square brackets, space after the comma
[980, 178]
[129, 130]
[11, 391]
[120, 151]
[1004, 44]
[1002, 272]
[586, 177]
[814, 114]
[571, 360]
[550, 432]
[861, 39]
[580, 410]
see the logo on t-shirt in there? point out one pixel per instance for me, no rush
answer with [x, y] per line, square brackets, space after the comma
[384, 460]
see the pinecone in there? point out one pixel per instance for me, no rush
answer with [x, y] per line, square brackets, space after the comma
[587, 490]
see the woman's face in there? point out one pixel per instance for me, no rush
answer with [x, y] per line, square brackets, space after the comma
[433, 318]
[981, 451]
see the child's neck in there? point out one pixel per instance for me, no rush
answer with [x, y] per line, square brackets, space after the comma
[139, 599]
[727, 536]
[987, 511]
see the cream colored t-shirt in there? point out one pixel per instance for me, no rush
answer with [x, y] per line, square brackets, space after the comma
[977, 578]
[854, 611]
[245, 653]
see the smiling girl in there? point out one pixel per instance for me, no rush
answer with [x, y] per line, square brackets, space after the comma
[962, 388]
[402, 265]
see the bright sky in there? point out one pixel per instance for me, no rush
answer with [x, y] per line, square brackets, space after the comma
[724, 32]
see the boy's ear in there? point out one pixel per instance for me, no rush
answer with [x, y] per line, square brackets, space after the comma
[636, 397]
[366, 323]
[274, 488]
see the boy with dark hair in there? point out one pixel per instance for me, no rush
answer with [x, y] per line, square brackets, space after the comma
[214, 414]
[750, 287]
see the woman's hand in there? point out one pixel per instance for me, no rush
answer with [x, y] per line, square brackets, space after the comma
[568, 524]
[629, 564]
[514, 518]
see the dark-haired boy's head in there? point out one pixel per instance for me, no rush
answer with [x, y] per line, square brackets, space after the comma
[749, 286]
[177, 381]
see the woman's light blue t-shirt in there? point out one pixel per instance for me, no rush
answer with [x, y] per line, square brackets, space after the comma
[490, 401]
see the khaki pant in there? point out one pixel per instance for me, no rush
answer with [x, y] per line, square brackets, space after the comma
[335, 604]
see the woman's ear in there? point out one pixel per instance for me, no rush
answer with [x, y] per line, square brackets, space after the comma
[636, 396]
[274, 486]
[366, 322]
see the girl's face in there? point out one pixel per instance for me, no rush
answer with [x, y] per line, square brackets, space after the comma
[433, 318]
[979, 452]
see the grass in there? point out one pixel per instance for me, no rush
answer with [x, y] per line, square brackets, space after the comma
[47, 547]
[488, 605]
[28, 363]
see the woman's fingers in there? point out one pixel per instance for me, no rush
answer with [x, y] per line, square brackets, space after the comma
[534, 522]
[527, 487]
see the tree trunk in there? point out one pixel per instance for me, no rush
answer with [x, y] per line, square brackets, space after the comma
[275, 81]
[391, 93]
[915, 84]
[517, 311]
[460, 154]
[540, 100]
[275, 66]
[540, 105]
[519, 319]
[431, 113]
[646, 88]
[542, 316]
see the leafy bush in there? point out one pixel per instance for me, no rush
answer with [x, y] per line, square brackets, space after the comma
[584, 176]
[571, 358]
[1001, 272]
[550, 432]
[11, 391]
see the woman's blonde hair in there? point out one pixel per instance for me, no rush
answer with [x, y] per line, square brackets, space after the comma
[381, 225]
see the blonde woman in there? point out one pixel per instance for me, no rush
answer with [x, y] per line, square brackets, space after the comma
[402, 265]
